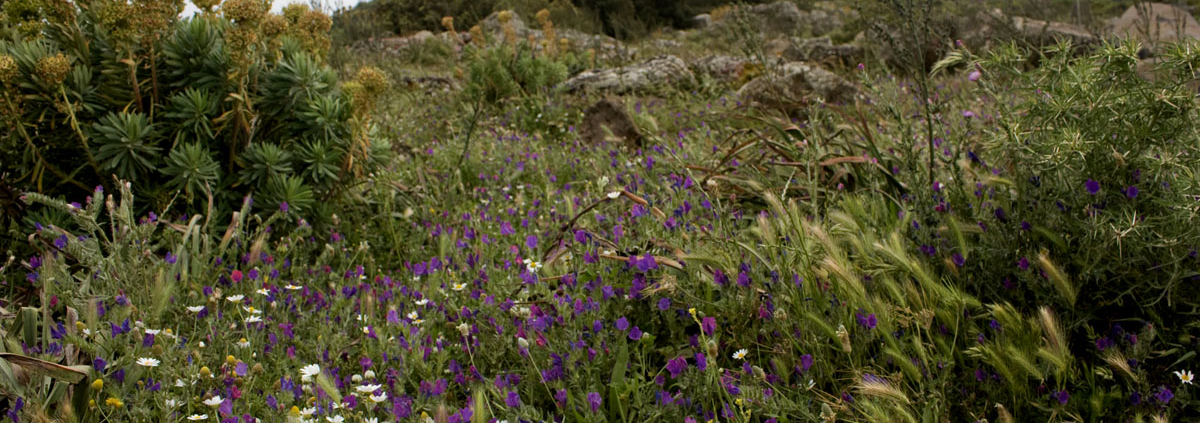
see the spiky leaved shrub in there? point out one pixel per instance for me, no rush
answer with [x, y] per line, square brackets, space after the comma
[225, 103]
[499, 72]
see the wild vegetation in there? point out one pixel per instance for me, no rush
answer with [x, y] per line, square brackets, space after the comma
[212, 219]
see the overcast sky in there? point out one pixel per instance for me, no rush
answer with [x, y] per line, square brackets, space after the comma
[277, 5]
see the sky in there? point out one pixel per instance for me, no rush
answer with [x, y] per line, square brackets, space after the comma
[277, 5]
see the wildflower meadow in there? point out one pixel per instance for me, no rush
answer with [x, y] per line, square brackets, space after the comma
[238, 216]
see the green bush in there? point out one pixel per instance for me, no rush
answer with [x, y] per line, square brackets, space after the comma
[499, 72]
[225, 103]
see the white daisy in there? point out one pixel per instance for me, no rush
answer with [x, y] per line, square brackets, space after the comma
[198, 417]
[335, 419]
[740, 354]
[307, 372]
[153, 331]
[366, 389]
[148, 362]
[291, 287]
[214, 401]
[613, 195]
[308, 412]
[195, 309]
[412, 315]
[421, 302]
[378, 398]
[1185, 376]
[263, 291]
[253, 319]
[533, 265]
[459, 286]
[235, 298]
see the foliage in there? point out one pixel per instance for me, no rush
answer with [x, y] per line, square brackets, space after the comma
[499, 72]
[214, 105]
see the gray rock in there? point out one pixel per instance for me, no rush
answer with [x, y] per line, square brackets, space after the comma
[821, 50]
[659, 71]
[1153, 24]
[491, 26]
[778, 17]
[798, 81]
[1043, 33]
[784, 17]
[721, 67]
[702, 21]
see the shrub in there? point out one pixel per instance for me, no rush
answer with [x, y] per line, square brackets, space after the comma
[222, 104]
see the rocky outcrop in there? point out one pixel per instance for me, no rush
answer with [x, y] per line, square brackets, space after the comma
[659, 71]
[798, 81]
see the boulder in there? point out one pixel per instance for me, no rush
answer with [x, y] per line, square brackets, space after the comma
[777, 17]
[1044, 33]
[701, 21]
[492, 27]
[721, 67]
[783, 17]
[1154, 24]
[609, 117]
[798, 81]
[820, 49]
[658, 71]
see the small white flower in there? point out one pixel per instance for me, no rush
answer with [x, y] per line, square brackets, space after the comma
[371, 420]
[459, 286]
[613, 195]
[412, 315]
[369, 374]
[523, 342]
[263, 291]
[252, 310]
[1185, 376]
[195, 309]
[198, 417]
[153, 331]
[356, 378]
[421, 302]
[533, 266]
[179, 383]
[253, 319]
[214, 401]
[291, 287]
[335, 419]
[243, 343]
[366, 389]
[235, 298]
[464, 329]
[307, 372]
[740, 354]
[308, 412]
[148, 362]
[378, 398]
[170, 403]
